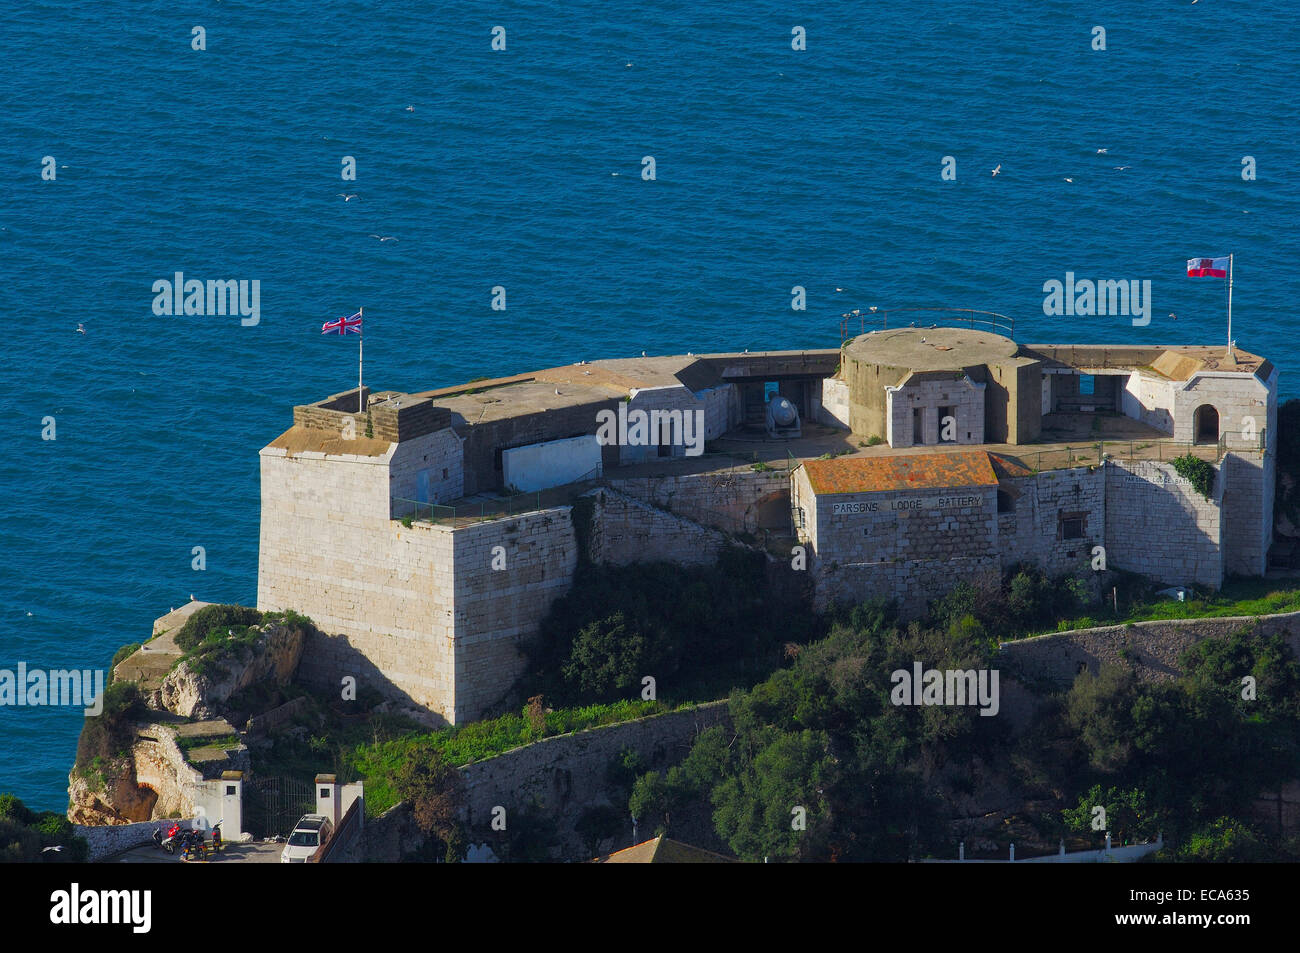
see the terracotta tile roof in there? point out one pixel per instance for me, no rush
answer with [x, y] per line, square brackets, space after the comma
[956, 468]
[663, 850]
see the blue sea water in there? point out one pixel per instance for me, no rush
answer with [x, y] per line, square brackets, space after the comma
[775, 168]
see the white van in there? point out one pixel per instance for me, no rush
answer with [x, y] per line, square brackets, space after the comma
[308, 834]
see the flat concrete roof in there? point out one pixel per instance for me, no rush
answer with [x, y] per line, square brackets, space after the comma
[931, 349]
[1178, 362]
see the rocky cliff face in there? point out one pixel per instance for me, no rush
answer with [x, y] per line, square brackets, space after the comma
[274, 656]
[154, 777]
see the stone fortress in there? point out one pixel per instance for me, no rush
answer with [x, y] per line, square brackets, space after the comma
[430, 533]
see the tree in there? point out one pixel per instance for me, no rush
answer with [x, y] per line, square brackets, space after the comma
[435, 791]
[1225, 840]
[1127, 814]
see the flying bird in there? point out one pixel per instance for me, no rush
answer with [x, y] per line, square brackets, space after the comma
[873, 307]
[384, 238]
[1172, 315]
[410, 109]
[998, 169]
[1121, 168]
[643, 353]
[55, 847]
[347, 196]
[838, 290]
[81, 328]
[1101, 152]
[1069, 180]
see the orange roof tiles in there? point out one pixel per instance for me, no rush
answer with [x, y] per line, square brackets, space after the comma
[920, 471]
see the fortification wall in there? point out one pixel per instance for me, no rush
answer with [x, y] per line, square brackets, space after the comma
[1034, 530]
[565, 775]
[1157, 524]
[738, 501]
[1152, 648]
[625, 530]
[508, 573]
[383, 591]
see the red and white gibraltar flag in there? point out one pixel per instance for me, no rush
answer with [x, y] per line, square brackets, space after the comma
[353, 323]
[1207, 268]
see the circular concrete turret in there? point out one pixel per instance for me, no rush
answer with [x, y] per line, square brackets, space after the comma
[883, 359]
[929, 349]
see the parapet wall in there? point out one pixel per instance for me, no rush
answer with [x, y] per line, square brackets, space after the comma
[737, 501]
[565, 775]
[1153, 648]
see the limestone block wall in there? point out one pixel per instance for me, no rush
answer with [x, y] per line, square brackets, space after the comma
[429, 469]
[384, 592]
[565, 775]
[911, 546]
[1236, 397]
[835, 403]
[1247, 512]
[508, 573]
[1153, 647]
[1150, 400]
[1033, 531]
[680, 398]
[735, 501]
[1157, 524]
[913, 583]
[718, 417]
[927, 393]
[625, 530]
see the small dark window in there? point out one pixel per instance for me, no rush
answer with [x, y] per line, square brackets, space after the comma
[496, 460]
[325, 793]
[444, 473]
[1006, 502]
[230, 790]
[1072, 527]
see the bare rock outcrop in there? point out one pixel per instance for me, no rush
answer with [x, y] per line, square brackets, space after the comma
[273, 656]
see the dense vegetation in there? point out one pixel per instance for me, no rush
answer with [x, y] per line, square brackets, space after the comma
[216, 633]
[821, 743]
[698, 631]
[28, 836]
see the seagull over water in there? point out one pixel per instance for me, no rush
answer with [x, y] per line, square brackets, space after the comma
[347, 196]
[998, 169]
[81, 328]
[410, 109]
[384, 238]
[1101, 152]
[1121, 168]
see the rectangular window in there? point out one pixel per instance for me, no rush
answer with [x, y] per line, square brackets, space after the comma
[1087, 384]
[1072, 526]
[918, 426]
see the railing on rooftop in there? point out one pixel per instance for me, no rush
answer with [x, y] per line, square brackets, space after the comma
[879, 319]
[1158, 450]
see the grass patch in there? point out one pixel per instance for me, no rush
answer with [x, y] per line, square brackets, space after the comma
[378, 763]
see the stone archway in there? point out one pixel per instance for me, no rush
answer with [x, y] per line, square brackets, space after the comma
[1205, 424]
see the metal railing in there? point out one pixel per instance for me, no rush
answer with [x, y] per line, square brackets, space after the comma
[1095, 452]
[993, 321]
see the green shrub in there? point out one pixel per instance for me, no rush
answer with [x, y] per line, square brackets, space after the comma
[1198, 472]
[201, 623]
[107, 735]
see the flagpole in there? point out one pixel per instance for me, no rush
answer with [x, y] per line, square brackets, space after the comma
[361, 350]
[1229, 304]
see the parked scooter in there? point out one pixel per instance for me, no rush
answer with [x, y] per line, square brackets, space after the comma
[172, 840]
[216, 837]
[193, 847]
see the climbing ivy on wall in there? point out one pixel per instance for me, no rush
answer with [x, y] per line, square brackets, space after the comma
[1198, 472]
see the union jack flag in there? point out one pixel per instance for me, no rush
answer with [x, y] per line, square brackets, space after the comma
[343, 325]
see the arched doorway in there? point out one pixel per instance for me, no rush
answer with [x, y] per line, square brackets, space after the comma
[1206, 424]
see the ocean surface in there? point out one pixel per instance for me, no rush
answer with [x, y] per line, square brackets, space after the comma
[522, 168]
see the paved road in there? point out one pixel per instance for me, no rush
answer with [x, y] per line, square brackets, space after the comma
[255, 853]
